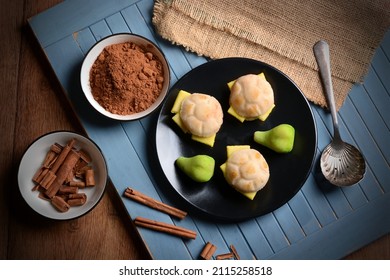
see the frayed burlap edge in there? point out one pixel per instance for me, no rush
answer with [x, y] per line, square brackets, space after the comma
[206, 40]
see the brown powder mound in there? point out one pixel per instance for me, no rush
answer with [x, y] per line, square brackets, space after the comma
[125, 79]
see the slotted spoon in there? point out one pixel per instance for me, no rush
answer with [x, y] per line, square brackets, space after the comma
[341, 163]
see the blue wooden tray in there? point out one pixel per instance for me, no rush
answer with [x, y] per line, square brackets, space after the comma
[317, 223]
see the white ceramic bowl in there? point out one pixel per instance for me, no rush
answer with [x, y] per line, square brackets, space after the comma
[94, 52]
[32, 161]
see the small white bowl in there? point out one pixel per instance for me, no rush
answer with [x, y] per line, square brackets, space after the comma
[32, 160]
[94, 52]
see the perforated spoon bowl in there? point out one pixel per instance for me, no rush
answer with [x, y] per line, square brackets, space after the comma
[341, 163]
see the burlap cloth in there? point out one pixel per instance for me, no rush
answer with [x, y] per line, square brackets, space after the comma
[281, 33]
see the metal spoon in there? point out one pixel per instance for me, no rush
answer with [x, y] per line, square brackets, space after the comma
[341, 163]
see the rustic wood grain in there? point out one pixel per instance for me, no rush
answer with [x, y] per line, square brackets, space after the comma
[11, 41]
[32, 104]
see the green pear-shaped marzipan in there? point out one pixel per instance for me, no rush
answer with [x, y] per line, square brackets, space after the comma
[199, 168]
[280, 138]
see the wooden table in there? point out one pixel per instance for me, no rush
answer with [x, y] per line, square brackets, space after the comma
[32, 104]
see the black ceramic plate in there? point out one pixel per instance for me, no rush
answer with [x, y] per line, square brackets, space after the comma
[288, 172]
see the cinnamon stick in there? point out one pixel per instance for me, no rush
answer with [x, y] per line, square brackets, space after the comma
[63, 155]
[49, 160]
[56, 148]
[62, 173]
[48, 179]
[57, 178]
[234, 251]
[80, 172]
[85, 157]
[41, 195]
[155, 204]
[67, 166]
[225, 256]
[82, 196]
[76, 202]
[41, 172]
[51, 157]
[53, 189]
[67, 190]
[164, 227]
[89, 178]
[208, 251]
[78, 184]
[59, 203]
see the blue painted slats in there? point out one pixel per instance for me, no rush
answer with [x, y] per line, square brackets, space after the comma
[66, 49]
[289, 224]
[100, 30]
[304, 214]
[318, 202]
[371, 118]
[211, 233]
[385, 44]
[344, 235]
[70, 16]
[273, 233]
[378, 95]
[117, 24]
[232, 236]
[316, 223]
[381, 65]
[85, 39]
[255, 238]
[365, 142]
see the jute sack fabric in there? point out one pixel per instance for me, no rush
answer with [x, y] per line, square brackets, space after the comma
[282, 34]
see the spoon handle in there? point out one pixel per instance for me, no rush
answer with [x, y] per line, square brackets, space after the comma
[321, 53]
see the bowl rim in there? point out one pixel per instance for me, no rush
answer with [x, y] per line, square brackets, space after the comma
[105, 170]
[96, 105]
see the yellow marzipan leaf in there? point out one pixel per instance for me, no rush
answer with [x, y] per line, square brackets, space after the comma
[176, 118]
[205, 140]
[179, 99]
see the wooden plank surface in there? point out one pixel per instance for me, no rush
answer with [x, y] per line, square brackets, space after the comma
[308, 214]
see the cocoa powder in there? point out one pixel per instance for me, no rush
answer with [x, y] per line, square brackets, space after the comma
[126, 79]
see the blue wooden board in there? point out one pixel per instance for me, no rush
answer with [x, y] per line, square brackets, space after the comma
[317, 223]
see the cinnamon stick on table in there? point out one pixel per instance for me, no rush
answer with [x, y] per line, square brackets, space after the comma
[155, 204]
[208, 251]
[225, 256]
[234, 251]
[164, 227]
